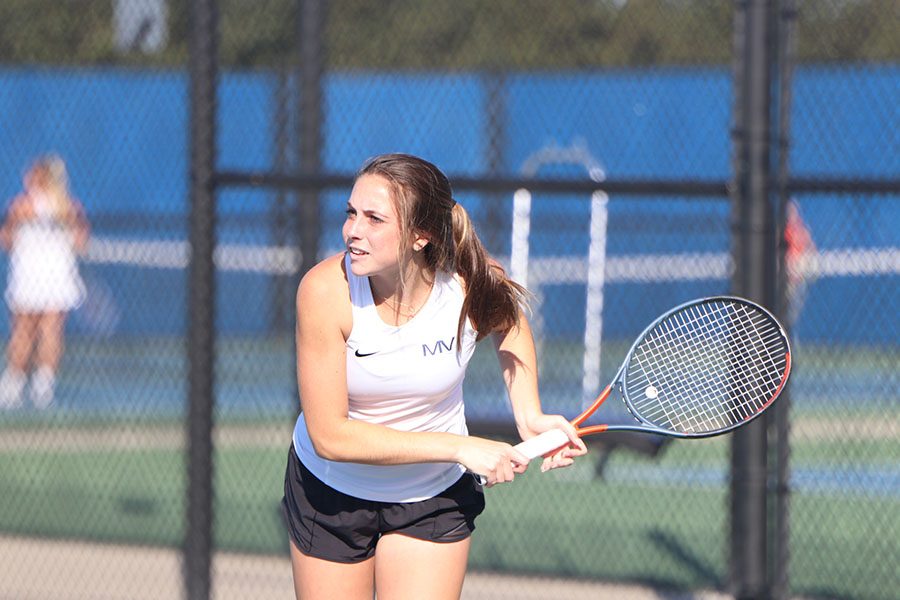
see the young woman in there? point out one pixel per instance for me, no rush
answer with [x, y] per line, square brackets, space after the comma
[381, 490]
[44, 231]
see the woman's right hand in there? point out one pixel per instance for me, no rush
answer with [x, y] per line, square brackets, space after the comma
[496, 462]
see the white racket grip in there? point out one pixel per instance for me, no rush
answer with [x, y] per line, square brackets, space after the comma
[541, 444]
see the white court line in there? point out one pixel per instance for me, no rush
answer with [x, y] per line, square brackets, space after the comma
[286, 260]
[174, 254]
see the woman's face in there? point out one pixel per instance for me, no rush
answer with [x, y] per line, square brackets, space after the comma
[372, 229]
[36, 179]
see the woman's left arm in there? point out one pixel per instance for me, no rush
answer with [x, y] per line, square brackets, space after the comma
[81, 227]
[518, 361]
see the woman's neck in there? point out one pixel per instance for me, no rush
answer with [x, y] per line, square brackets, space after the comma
[404, 296]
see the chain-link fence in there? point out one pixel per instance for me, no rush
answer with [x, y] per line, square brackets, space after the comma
[598, 146]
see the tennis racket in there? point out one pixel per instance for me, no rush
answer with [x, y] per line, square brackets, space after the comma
[702, 369]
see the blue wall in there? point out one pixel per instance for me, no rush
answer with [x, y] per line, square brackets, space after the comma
[124, 135]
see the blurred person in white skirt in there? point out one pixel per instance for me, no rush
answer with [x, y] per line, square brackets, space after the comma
[44, 231]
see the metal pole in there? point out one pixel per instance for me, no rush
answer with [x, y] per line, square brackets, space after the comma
[310, 29]
[754, 278]
[280, 217]
[201, 297]
[779, 548]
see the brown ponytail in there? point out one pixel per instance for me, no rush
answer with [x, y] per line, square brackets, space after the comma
[492, 299]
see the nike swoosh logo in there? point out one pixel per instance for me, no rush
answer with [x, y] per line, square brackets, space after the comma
[362, 354]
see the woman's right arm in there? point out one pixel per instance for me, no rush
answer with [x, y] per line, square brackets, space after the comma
[10, 222]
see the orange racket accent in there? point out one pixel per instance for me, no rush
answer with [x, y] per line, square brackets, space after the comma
[787, 373]
[591, 409]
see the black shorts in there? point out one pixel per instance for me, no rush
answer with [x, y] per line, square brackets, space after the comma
[331, 525]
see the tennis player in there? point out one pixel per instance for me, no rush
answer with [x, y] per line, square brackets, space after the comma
[380, 489]
[44, 231]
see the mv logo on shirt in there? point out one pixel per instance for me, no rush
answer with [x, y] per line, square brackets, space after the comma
[439, 347]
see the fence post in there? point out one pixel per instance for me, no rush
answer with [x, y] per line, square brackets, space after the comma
[310, 29]
[779, 472]
[755, 276]
[201, 296]
[280, 217]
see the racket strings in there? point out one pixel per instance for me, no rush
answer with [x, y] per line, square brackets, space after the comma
[707, 399]
[744, 396]
[707, 367]
[681, 415]
[666, 344]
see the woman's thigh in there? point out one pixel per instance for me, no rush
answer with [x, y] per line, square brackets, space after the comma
[319, 579]
[407, 568]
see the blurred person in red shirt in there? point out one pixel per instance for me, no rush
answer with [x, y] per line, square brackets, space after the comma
[799, 259]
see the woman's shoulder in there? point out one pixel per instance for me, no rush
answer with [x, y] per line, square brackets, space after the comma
[323, 297]
[458, 280]
[19, 201]
[20, 207]
[327, 280]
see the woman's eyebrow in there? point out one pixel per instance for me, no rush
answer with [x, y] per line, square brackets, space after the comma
[377, 213]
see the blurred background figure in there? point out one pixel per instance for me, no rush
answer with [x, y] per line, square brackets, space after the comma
[44, 230]
[800, 260]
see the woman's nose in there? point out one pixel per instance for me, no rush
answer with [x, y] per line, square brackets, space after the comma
[353, 229]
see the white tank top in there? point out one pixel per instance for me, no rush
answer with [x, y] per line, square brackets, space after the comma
[43, 270]
[408, 377]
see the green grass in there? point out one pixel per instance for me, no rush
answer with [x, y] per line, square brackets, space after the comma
[662, 521]
[566, 522]
[134, 496]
